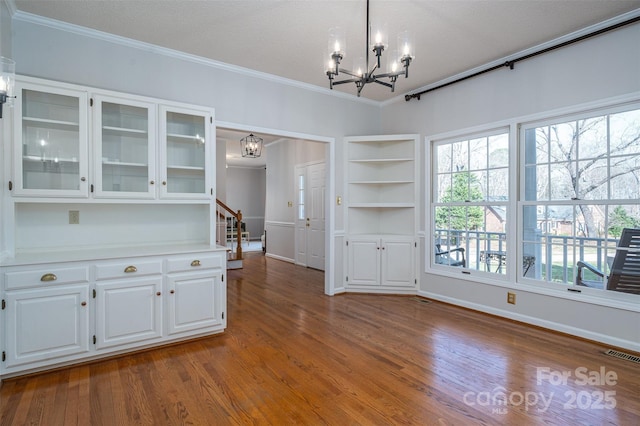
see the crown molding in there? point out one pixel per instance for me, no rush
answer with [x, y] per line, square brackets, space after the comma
[176, 54]
[551, 43]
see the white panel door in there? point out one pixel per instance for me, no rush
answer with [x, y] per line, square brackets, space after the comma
[310, 215]
[316, 215]
[128, 311]
[194, 301]
[398, 265]
[45, 324]
[301, 215]
[364, 262]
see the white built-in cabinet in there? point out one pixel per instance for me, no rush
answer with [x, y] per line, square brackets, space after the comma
[72, 142]
[108, 226]
[381, 213]
[65, 312]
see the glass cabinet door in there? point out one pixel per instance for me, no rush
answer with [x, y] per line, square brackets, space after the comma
[51, 142]
[185, 155]
[124, 134]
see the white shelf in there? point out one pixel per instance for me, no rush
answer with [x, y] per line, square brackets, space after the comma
[123, 164]
[44, 122]
[125, 130]
[186, 138]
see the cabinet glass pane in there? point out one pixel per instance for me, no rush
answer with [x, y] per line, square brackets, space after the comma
[125, 148]
[185, 153]
[51, 141]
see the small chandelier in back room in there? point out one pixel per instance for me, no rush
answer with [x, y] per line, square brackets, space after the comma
[251, 146]
[398, 61]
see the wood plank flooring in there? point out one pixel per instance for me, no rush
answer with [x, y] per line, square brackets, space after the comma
[292, 355]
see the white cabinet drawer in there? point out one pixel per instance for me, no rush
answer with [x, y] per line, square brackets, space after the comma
[40, 277]
[195, 262]
[131, 268]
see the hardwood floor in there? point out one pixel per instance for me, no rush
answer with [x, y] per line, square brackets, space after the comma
[292, 355]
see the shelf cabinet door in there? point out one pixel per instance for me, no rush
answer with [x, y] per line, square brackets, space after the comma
[46, 324]
[398, 262]
[364, 261]
[128, 311]
[124, 133]
[186, 153]
[195, 301]
[51, 145]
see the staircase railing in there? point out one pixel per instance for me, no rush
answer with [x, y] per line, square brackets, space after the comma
[221, 214]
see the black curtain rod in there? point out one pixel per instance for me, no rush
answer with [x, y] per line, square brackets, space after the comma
[512, 62]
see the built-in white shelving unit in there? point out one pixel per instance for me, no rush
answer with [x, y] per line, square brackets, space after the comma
[381, 213]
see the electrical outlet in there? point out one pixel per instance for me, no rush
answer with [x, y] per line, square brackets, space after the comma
[74, 217]
[511, 298]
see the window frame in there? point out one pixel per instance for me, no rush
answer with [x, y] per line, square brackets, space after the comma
[514, 279]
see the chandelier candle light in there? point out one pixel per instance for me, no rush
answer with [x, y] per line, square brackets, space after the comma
[251, 146]
[398, 61]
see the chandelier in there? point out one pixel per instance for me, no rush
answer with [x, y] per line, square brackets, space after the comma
[251, 146]
[398, 61]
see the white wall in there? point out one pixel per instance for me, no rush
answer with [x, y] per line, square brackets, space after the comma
[602, 67]
[56, 51]
[246, 190]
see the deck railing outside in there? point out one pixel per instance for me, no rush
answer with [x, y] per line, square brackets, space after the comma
[553, 257]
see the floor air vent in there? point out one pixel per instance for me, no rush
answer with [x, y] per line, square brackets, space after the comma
[622, 355]
[421, 300]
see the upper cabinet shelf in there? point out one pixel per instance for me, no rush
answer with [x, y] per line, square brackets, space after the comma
[115, 146]
[382, 187]
[51, 144]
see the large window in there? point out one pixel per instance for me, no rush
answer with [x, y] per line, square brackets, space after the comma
[577, 188]
[580, 188]
[471, 197]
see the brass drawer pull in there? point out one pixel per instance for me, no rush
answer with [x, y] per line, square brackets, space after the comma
[48, 277]
[195, 263]
[158, 294]
[130, 269]
[84, 303]
[172, 291]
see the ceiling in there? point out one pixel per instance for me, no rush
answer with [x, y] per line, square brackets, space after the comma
[289, 38]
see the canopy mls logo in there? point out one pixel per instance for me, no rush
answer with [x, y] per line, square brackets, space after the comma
[589, 398]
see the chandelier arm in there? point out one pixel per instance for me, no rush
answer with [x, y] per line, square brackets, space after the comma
[351, 73]
[384, 83]
[389, 74]
[350, 80]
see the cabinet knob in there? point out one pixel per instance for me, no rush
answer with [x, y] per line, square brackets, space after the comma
[83, 303]
[195, 263]
[48, 277]
[83, 179]
[172, 291]
[130, 269]
[158, 294]
[152, 182]
[164, 182]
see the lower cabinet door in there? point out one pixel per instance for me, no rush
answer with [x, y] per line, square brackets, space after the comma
[195, 301]
[128, 311]
[364, 262]
[398, 267]
[45, 324]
